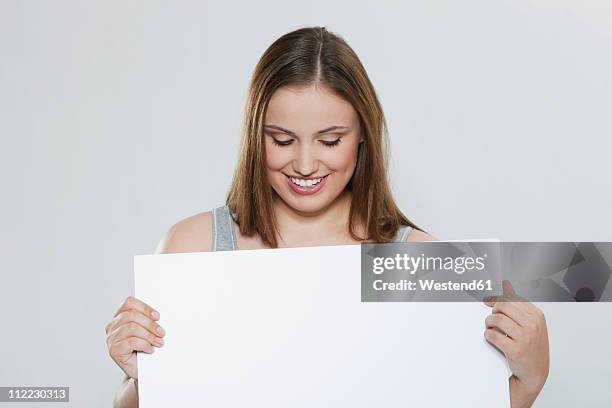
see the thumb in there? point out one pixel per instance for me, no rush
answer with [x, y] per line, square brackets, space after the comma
[507, 288]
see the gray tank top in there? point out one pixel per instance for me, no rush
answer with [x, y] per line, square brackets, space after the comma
[224, 235]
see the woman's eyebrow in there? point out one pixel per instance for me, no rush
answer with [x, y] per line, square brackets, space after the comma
[289, 132]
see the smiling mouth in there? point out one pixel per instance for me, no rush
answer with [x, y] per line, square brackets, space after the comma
[306, 183]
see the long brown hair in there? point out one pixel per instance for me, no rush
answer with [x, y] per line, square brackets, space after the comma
[304, 57]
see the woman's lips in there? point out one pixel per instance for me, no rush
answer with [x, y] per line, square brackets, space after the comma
[306, 190]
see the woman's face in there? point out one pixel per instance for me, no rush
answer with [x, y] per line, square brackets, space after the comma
[311, 142]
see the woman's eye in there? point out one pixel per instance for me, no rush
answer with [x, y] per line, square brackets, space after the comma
[327, 143]
[282, 142]
[331, 143]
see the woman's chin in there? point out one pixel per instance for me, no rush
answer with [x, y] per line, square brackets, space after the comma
[308, 205]
[312, 207]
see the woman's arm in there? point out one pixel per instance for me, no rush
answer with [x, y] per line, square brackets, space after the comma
[192, 234]
[127, 394]
[527, 347]
[518, 329]
[522, 395]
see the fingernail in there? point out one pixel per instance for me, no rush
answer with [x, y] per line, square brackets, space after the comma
[160, 342]
[154, 314]
[160, 330]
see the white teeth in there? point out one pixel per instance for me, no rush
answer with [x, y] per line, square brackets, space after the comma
[305, 183]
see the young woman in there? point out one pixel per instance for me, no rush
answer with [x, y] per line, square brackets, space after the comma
[313, 171]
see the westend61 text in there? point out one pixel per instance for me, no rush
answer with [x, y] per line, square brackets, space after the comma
[432, 285]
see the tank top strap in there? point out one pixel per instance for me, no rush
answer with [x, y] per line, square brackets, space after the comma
[224, 237]
[402, 233]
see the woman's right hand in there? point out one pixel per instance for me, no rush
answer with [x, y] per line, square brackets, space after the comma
[133, 328]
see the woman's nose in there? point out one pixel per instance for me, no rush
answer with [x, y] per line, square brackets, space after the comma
[306, 162]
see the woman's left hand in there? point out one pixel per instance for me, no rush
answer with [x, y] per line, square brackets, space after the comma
[518, 329]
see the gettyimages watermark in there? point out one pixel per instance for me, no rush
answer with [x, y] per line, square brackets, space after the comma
[465, 271]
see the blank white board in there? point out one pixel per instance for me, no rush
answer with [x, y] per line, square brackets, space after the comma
[286, 328]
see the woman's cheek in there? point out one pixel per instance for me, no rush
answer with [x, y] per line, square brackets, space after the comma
[275, 159]
[342, 159]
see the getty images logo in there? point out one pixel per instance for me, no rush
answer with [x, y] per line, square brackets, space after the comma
[412, 264]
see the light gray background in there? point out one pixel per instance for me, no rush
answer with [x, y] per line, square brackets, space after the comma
[118, 118]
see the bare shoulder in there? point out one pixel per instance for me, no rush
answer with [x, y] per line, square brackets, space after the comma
[191, 234]
[417, 236]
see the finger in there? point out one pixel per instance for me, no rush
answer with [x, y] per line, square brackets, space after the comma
[504, 324]
[503, 298]
[508, 292]
[521, 303]
[135, 316]
[508, 289]
[490, 300]
[513, 311]
[133, 329]
[499, 340]
[493, 301]
[133, 303]
[131, 344]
